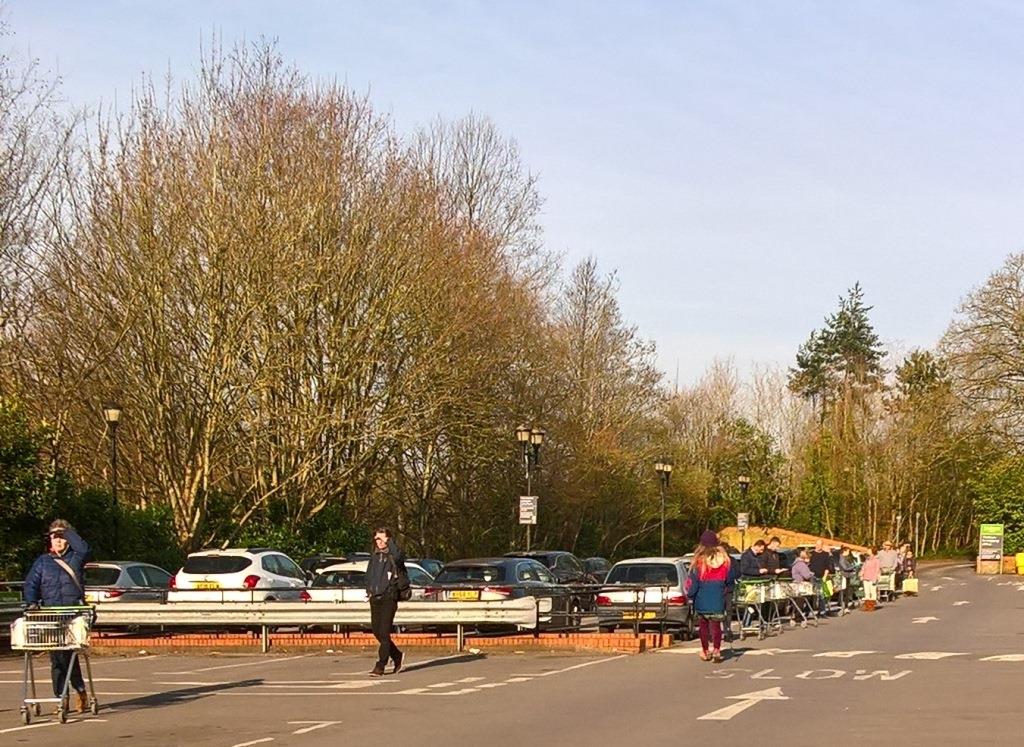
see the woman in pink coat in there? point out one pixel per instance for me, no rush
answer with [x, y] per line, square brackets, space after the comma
[870, 573]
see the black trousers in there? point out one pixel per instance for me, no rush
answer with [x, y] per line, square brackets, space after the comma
[382, 618]
[59, 663]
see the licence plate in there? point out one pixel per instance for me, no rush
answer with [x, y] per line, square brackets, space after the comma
[207, 585]
[639, 615]
[91, 596]
[465, 595]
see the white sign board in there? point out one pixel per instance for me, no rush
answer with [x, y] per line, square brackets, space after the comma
[527, 509]
[742, 521]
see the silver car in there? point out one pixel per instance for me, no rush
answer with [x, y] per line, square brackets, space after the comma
[125, 581]
[652, 595]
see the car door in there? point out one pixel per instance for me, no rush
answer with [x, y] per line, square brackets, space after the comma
[291, 574]
[157, 580]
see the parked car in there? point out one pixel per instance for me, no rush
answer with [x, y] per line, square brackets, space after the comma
[125, 581]
[346, 582]
[430, 565]
[497, 579]
[314, 564]
[598, 568]
[662, 598]
[256, 574]
[567, 569]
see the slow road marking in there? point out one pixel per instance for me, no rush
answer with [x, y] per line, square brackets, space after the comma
[746, 700]
[922, 620]
[1005, 657]
[932, 655]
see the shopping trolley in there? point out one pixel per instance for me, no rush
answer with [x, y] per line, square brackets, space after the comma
[751, 601]
[53, 629]
[803, 594]
[886, 585]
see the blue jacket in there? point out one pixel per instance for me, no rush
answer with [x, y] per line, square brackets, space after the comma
[49, 584]
[707, 595]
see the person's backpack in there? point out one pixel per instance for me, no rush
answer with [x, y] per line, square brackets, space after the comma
[403, 587]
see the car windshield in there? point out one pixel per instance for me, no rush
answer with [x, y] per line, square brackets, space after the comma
[101, 575]
[356, 579]
[644, 573]
[462, 573]
[209, 564]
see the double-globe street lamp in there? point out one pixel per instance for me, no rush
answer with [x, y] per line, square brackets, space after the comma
[112, 414]
[530, 439]
[664, 469]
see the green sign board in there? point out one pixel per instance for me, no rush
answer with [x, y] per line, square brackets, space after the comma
[990, 546]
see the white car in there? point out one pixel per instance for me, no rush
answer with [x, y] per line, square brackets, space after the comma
[346, 582]
[238, 575]
[648, 592]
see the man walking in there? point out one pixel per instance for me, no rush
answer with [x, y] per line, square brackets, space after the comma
[55, 580]
[386, 581]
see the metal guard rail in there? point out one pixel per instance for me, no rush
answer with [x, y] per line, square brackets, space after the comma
[519, 612]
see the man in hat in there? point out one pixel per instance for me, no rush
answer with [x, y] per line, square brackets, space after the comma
[55, 580]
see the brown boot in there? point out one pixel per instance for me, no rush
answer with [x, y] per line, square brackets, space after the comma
[83, 702]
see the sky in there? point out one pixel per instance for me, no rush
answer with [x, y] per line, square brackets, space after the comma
[738, 165]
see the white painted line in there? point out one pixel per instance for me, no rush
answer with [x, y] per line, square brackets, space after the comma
[412, 691]
[193, 684]
[442, 684]
[489, 685]
[575, 666]
[930, 655]
[923, 620]
[961, 603]
[94, 679]
[842, 654]
[774, 651]
[470, 679]
[948, 578]
[745, 701]
[1004, 657]
[44, 724]
[937, 588]
[316, 725]
[255, 741]
[243, 664]
[335, 686]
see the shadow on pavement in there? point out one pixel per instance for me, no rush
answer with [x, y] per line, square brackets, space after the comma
[173, 697]
[457, 659]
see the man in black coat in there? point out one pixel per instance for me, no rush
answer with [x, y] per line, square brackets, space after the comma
[821, 566]
[385, 575]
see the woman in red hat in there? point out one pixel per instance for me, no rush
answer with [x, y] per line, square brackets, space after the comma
[711, 574]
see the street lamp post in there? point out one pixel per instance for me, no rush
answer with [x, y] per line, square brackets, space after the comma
[112, 414]
[530, 440]
[744, 483]
[664, 469]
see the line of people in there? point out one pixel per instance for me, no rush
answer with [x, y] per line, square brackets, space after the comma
[713, 573]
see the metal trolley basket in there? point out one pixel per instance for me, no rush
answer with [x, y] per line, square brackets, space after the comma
[53, 629]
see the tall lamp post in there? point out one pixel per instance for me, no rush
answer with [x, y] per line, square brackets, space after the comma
[664, 469]
[112, 414]
[530, 440]
[744, 483]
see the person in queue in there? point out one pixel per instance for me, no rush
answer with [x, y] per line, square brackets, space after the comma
[848, 567]
[770, 558]
[888, 559]
[711, 573]
[820, 563]
[55, 580]
[801, 570]
[909, 567]
[751, 567]
[870, 573]
[386, 576]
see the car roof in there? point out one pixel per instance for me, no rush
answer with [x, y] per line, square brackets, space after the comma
[666, 559]
[236, 551]
[505, 560]
[361, 565]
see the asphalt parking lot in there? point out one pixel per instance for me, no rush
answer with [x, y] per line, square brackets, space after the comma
[942, 668]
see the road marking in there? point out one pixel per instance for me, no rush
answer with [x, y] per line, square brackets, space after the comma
[94, 679]
[1004, 657]
[821, 674]
[746, 700]
[316, 725]
[773, 651]
[931, 655]
[519, 679]
[44, 724]
[442, 684]
[937, 588]
[489, 685]
[842, 654]
[194, 684]
[579, 666]
[882, 674]
[412, 691]
[470, 679]
[960, 604]
[922, 620]
[255, 741]
[335, 686]
[243, 664]
[948, 578]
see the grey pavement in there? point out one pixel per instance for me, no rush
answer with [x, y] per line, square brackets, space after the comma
[943, 668]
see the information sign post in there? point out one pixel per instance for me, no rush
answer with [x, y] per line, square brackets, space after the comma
[990, 547]
[528, 514]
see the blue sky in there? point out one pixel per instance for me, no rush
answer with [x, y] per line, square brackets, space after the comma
[739, 164]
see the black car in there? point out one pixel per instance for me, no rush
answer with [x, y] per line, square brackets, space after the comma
[498, 579]
[430, 565]
[312, 565]
[598, 568]
[568, 570]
